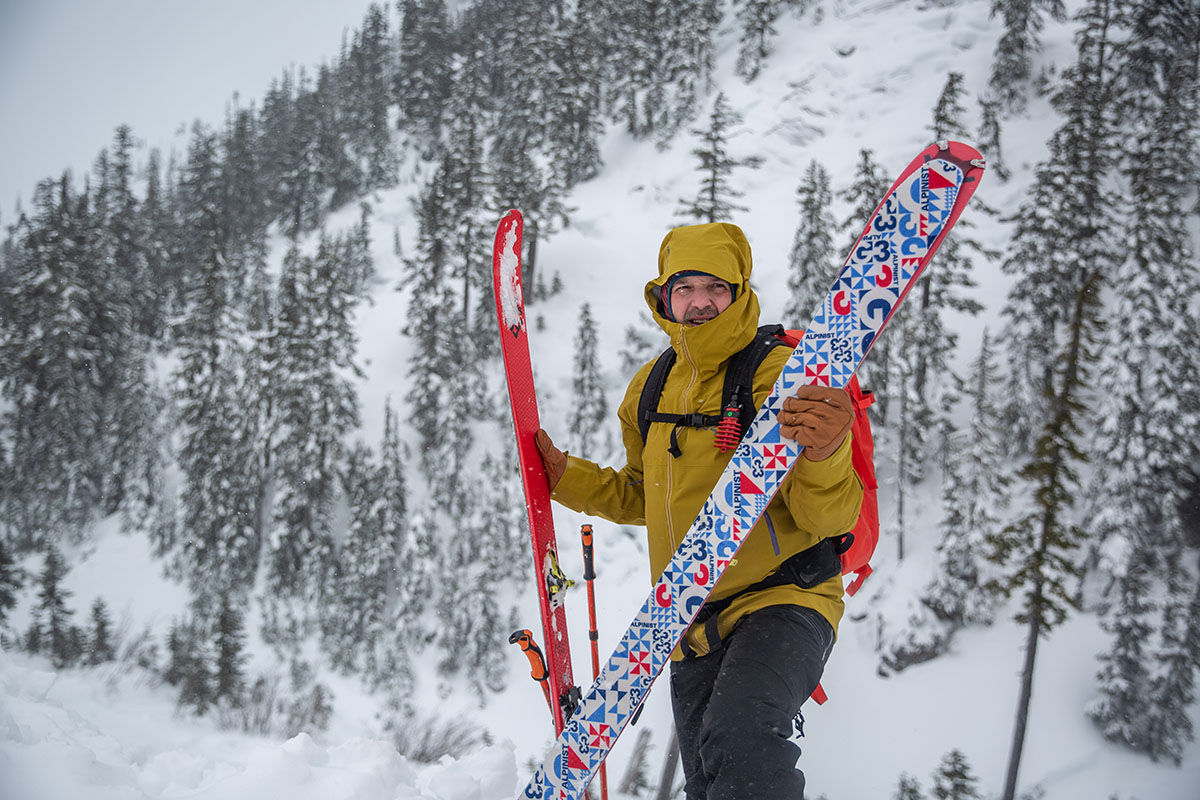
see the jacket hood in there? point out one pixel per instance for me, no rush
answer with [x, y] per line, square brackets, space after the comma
[719, 249]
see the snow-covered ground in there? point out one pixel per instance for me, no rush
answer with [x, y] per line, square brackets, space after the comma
[867, 77]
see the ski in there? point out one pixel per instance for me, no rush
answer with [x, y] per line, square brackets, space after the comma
[518, 372]
[895, 246]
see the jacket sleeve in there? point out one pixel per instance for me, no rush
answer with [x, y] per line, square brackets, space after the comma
[823, 497]
[616, 495]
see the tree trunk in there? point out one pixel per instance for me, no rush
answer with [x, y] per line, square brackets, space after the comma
[1018, 742]
[670, 764]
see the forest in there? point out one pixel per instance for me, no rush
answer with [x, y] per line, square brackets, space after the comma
[164, 359]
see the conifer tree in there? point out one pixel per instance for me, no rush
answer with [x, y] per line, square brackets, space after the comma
[366, 75]
[1012, 63]
[101, 647]
[589, 406]
[439, 369]
[1123, 679]
[158, 230]
[575, 106]
[953, 779]
[355, 615]
[1172, 687]
[812, 263]
[422, 79]
[188, 666]
[948, 111]
[1063, 252]
[51, 350]
[466, 178]
[469, 617]
[757, 18]
[316, 407]
[973, 497]
[661, 61]
[304, 154]
[220, 437]
[52, 618]
[125, 315]
[715, 200]
[1141, 463]
[974, 492]
[989, 138]
[244, 207]
[229, 680]
[639, 347]
[11, 581]
[909, 788]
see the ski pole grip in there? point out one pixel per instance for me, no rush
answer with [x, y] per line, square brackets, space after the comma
[589, 565]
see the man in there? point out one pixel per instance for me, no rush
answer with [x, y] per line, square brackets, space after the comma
[737, 680]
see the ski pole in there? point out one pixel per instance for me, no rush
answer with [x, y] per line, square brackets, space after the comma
[537, 662]
[589, 575]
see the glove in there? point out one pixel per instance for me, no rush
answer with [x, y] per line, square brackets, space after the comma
[819, 418]
[552, 458]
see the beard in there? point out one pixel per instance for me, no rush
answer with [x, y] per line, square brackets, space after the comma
[698, 316]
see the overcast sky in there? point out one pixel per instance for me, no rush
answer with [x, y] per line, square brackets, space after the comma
[71, 71]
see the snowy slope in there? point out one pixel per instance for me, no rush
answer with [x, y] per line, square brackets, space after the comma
[867, 76]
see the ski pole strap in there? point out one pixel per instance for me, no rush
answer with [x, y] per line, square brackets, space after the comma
[805, 569]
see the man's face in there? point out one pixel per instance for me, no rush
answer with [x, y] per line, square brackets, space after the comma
[695, 299]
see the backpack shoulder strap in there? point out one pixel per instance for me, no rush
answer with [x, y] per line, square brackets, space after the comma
[739, 376]
[652, 390]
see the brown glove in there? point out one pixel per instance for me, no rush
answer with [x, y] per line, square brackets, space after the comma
[819, 418]
[552, 458]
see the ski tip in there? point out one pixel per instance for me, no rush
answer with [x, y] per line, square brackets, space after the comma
[960, 151]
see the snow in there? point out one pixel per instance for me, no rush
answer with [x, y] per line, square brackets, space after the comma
[867, 76]
[512, 305]
[105, 736]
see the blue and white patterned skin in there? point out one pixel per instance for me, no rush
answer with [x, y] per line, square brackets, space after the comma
[878, 273]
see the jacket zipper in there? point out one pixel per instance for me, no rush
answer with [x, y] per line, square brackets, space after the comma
[670, 482]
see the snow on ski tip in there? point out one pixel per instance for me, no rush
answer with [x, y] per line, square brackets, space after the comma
[896, 244]
[509, 292]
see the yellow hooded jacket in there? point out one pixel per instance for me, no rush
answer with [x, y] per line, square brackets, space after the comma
[665, 494]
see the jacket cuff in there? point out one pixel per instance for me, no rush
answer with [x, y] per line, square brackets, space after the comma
[829, 472]
[576, 484]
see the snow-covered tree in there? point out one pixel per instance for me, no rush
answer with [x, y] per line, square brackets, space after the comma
[953, 779]
[51, 631]
[101, 647]
[974, 496]
[53, 345]
[1172, 686]
[757, 19]
[589, 409]
[813, 262]
[315, 407]
[229, 678]
[217, 538]
[1012, 63]
[422, 77]
[714, 202]
[1123, 679]
[11, 581]
[908, 788]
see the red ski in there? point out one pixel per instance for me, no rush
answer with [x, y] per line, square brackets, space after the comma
[551, 583]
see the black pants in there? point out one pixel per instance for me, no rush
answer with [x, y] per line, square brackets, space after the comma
[734, 709]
